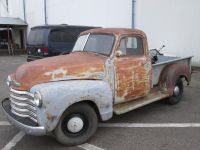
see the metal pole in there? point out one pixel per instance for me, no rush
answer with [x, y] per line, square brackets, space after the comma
[8, 40]
[7, 6]
[11, 44]
[23, 30]
[24, 8]
[133, 13]
[45, 12]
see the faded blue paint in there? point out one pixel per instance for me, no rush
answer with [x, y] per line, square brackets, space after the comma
[58, 96]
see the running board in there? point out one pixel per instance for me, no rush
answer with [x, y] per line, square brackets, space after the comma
[131, 105]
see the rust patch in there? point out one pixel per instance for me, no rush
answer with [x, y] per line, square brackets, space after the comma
[77, 65]
[132, 78]
[50, 117]
[171, 73]
[115, 31]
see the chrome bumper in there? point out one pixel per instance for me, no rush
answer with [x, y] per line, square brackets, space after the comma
[32, 130]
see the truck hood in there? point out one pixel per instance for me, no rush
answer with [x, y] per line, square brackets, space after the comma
[77, 65]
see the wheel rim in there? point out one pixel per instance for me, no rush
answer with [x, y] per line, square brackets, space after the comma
[176, 91]
[74, 125]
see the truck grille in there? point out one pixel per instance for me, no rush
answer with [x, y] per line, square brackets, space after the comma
[22, 104]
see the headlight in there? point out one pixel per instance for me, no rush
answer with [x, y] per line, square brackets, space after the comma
[38, 99]
[8, 81]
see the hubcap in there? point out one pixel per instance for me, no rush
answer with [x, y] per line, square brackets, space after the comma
[75, 124]
[176, 91]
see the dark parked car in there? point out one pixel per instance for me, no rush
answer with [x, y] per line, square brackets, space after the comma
[52, 40]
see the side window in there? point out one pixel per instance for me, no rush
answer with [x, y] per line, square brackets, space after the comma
[56, 36]
[68, 36]
[131, 46]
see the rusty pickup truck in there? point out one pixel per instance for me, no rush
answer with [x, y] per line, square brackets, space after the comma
[110, 71]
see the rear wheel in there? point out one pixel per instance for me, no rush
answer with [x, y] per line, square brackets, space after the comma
[77, 125]
[177, 93]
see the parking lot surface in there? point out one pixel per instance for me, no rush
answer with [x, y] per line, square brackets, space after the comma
[157, 126]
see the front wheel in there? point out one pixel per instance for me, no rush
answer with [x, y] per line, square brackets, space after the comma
[77, 125]
[177, 93]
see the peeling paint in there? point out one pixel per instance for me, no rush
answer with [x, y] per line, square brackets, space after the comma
[58, 96]
[76, 65]
[171, 73]
[58, 73]
[132, 78]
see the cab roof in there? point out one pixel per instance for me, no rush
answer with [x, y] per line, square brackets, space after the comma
[115, 31]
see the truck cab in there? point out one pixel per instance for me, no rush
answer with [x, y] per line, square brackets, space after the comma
[109, 71]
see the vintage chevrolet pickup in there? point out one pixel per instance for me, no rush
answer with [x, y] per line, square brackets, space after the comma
[110, 71]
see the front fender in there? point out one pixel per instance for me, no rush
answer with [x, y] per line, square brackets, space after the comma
[58, 96]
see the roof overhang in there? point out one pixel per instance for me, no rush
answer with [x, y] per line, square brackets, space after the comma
[7, 22]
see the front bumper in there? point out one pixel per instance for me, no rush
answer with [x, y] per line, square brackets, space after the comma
[23, 124]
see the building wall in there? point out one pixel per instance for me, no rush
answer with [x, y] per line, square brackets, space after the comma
[112, 13]
[16, 9]
[105, 13]
[3, 8]
[35, 12]
[174, 23]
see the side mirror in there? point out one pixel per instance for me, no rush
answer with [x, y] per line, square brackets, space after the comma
[118, 53]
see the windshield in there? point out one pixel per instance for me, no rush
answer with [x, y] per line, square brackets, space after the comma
[97, 43]
[36, 37]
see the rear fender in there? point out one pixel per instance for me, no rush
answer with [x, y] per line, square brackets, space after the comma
[171, 73]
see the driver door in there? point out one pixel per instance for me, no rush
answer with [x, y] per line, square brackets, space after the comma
[132, 70]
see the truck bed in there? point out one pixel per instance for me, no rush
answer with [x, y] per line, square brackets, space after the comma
[162, 58]
[164, 61]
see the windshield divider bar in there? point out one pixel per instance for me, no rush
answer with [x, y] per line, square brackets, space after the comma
[86, 41]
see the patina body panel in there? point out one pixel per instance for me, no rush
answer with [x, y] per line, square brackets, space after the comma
[133, 73]
[132, 78]
[115, 31]
[58, 96]
[171, 73]
[77, 65]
